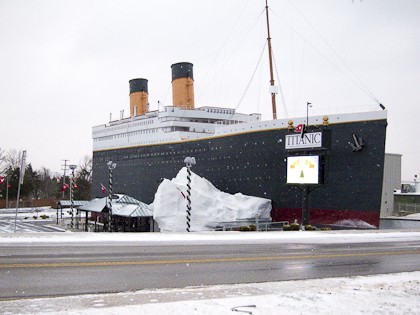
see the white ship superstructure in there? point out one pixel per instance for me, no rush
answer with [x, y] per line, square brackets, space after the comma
[173, 124]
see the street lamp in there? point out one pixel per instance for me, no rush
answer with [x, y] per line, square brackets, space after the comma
[111, 167]
[72, 167]
[307, 112]
[189, 161]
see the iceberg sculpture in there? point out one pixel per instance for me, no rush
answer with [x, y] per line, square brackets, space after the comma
[210, 207]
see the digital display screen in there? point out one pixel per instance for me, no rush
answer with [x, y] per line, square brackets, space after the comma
[303, 169]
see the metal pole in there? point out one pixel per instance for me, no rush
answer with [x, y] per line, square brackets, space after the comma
[188, 197]
[64, 176]
[305, 205]
[189, 161]
[110, 200]
[270, 59]
[21, 175]
[72, 167]
[307, 112]
[111, 166]
[71, 202]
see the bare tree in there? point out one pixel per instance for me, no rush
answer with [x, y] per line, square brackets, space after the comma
[13, 159]
[84, 179]
[85, 168]
[3, 166]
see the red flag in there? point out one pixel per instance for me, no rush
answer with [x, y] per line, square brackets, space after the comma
[299, 128]
[103, 188]
[2, 178]
[65, 187]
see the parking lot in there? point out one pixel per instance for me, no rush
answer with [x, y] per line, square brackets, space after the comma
[30, 220]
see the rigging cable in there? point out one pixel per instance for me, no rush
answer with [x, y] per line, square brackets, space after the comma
[337, 55]
[252, 77]
[280, 88]
[222, 48]
[359, 84]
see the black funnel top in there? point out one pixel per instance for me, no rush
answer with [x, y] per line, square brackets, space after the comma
[182, 70]
[138, 85]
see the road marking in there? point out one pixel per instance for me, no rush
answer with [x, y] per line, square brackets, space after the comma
[201, 261]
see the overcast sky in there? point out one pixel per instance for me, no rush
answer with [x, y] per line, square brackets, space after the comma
[65, 65]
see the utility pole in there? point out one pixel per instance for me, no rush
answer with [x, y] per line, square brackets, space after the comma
[64, 168]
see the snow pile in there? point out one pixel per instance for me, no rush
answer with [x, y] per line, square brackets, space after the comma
[210, 206]
[354, 223]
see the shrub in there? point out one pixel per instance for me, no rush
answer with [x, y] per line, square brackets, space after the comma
[253, 227]
[294, 226]
[309, 227]
[44, 216]
[287, 227]
[35, 217]
[244, 229]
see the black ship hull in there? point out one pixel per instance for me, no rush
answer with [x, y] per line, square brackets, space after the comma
[254, 163]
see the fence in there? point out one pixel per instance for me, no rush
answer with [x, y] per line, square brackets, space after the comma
[29, 203]
[406, 208]
[260, 226]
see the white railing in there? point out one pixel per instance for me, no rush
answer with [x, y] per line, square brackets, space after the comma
[406, 208]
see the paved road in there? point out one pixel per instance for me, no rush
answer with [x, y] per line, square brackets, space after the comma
[62, 269]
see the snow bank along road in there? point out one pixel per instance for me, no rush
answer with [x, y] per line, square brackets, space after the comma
[51, 264]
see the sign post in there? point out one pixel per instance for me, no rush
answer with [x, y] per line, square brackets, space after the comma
[21, 175]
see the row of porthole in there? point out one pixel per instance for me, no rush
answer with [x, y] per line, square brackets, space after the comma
[146, 155]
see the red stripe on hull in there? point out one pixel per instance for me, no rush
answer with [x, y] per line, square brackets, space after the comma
[328, 217]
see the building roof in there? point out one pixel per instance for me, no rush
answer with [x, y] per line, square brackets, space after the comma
[122, 205]
[95, 205]
[130, 210]
[76, 203]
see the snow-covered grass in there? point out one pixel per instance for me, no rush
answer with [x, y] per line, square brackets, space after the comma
[313, 237]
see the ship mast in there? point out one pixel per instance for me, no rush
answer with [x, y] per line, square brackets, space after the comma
[270, 58]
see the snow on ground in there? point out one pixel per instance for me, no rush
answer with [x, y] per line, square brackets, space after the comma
[379, 294]
[312, 237]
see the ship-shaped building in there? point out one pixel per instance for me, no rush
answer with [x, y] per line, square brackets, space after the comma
[336, 161]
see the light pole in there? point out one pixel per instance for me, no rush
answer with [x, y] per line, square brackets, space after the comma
[111, 167]
[189, 161]
[72, 167]
[307, 112]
